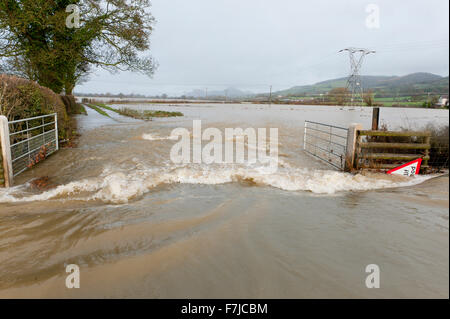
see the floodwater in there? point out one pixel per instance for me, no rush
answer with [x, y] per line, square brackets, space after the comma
[140, 226]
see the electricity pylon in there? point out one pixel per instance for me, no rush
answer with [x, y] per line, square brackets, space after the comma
[354, 84]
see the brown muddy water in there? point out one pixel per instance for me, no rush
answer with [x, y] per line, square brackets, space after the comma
[140, 226]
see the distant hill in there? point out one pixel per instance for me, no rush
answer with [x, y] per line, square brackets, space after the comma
[229, 92]
[412, 83]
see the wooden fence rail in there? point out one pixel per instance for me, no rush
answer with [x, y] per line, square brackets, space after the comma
[374, 154]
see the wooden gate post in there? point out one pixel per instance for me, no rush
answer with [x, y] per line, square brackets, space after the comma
[2, 171]
[352, 136]
[375, 118]
[6, 152]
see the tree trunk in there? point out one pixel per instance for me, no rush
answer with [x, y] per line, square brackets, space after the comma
[68, 88]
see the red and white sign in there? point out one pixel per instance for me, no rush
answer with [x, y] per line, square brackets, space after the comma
[408, 169]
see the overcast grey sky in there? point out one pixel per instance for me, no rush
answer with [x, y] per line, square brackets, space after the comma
[251, 44]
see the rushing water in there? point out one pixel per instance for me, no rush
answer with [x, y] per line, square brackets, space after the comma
[140, 226]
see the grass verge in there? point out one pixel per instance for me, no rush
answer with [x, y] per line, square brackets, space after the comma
[147, 115]
[99, 110]
[79, 109]
[141, 115]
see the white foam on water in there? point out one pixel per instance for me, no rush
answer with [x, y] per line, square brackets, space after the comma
[116, 186]
[155, 137]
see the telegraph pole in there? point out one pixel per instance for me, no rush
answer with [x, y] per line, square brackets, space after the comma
[354, 85]
[270, 96]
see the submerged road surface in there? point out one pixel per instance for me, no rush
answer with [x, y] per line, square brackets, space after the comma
[138, 225]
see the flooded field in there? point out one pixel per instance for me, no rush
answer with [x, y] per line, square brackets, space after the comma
[139, 225]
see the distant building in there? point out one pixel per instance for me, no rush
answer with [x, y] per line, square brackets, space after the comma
[443, 101]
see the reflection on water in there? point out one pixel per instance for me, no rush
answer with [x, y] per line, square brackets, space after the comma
[140, 226]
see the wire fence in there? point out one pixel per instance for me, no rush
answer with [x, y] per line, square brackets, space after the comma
[32, 140]
[326, 142]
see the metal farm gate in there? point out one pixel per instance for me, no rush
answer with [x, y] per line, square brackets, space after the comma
[326, 142]
[32, 140]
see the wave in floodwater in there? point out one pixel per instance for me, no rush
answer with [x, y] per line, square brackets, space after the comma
[120, 186]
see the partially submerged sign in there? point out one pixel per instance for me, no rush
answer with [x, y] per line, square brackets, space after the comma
[408, 169]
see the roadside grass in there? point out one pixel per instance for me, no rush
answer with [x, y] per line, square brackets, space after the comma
[146, 115]
[107, 107]
[133, 113]
[141, 115]
[79, 109]
[162, 114]
[99, 110]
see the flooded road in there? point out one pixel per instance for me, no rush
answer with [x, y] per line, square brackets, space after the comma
[140, 226]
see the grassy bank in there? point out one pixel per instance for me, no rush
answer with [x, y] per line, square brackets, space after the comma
[141, 115]
[107, 107]
[96, 108]
[147, 115]
[80, 110]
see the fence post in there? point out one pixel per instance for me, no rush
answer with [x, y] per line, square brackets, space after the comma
[6, 151]
[304, 135]
[56, 131]
[2, 171]
[375, 118]
[352, 136]
[427, 150]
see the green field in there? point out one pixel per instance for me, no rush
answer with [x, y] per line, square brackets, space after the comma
[398, 101]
